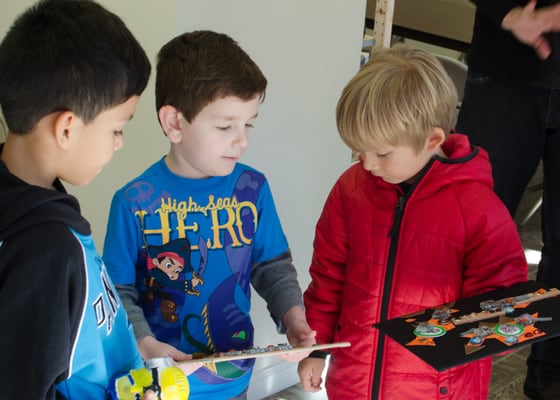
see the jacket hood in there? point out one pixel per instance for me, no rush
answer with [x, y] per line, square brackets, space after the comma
[464, 162]
[23, 206]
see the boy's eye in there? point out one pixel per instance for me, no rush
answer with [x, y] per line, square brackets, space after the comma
[118, 133]
[249, 125]
[382, 155]
[223, 128]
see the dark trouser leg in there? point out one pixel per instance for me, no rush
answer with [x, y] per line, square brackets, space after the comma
[544, 361]
[508, 123]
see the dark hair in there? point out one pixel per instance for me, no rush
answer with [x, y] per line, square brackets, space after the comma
[68, 55]
[196, 68]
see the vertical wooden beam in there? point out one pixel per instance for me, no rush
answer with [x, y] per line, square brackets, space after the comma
[383, 23]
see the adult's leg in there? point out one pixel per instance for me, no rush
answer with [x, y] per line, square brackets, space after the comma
[544, 361]
[549, 267]
[506, 121]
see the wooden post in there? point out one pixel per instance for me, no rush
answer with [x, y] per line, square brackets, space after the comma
[383, 23]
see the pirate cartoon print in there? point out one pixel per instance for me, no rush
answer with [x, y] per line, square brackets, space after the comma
[168, 278]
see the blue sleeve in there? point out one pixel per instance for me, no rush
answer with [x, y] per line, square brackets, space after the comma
[269, 240]
[122, 241]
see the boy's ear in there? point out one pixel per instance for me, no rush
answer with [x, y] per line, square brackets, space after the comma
[435, 139]
[63, 128]
[170, 120]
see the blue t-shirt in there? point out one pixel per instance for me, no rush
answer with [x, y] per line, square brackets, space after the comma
[188, 245]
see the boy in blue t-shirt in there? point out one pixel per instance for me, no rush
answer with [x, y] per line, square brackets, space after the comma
[71, 74]
[188, 237]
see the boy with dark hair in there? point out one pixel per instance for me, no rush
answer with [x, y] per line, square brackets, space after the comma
[188, 237]
[71, 74]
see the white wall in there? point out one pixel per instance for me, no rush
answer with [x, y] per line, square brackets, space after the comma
[308, 50]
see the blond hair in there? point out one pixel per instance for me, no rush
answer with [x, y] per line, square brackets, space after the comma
[397, 98]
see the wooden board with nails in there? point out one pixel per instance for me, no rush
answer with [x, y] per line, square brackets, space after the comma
[256, 352]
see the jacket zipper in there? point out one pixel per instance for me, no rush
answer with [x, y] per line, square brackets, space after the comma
[394, 235]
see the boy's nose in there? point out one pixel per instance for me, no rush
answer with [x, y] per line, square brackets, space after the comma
[242, 139]
[119, 142]
[369, 163]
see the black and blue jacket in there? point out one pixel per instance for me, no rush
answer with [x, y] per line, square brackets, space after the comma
[64, 330]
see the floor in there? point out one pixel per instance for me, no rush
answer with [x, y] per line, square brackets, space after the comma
[508, 371]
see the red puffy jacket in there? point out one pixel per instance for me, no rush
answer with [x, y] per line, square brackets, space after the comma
[380, 254]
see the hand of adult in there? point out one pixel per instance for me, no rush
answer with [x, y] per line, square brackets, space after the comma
[529, 25]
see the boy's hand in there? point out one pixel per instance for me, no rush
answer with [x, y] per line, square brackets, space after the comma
[150, 347]
[298, 332]
[309, 371]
